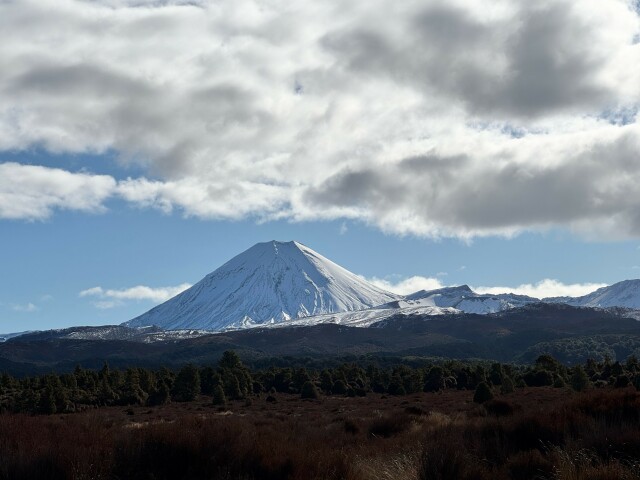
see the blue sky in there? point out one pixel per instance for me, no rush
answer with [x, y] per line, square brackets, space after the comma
[48, 263]
[145, 143]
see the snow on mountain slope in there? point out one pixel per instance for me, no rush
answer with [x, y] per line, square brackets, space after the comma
[466, 300]
[6, 336]
[622, 294]
[151, 334]
[365, 318]
[269, 283]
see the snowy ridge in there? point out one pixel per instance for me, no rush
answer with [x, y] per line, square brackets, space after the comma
[466, 300]
[269, 283]
[110, 332]
[366, 318]
[622, 294]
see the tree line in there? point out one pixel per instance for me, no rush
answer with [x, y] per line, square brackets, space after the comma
[231, 380]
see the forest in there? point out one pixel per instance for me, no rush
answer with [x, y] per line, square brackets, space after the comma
[230, 379]
[427, 420]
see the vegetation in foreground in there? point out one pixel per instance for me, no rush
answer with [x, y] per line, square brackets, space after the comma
[447, 421]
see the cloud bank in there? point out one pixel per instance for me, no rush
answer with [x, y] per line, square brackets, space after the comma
[110, 298]
[542, 289]
[430, 118]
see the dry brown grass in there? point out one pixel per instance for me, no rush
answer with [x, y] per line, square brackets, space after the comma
[547, 434]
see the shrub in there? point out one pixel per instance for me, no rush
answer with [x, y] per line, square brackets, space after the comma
[351, 427]
[483, 393]
[388, 426]
[529, 464]
[622, 381]
[507, 386]
[339, 388]
[443, 459]
[219, 397]
[499, 408]
[579, 380]
[309, 390]
[558, 382]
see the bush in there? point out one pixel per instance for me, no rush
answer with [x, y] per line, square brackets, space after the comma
[499, 408]
[483, 393]
[219, 397]
[389, 426]
[529, 464]
[309, 390]
[558, 382]
[622, 381]
[351, 427]
[443, 459]
[579, 380]
[507, 386]
[339, 388]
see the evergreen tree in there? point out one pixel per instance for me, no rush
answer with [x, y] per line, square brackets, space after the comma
[161, 395]
[496, 373]
[579, 380]
[339, 388]
[47, 403]
[230, 360]
[300, 377]
[187, 385]
[209, 378]
[309, 390]
[622, 381]
[106, 394]
[132, 391]
[232, 386]
[507, 386]
[483, 393]
[219, 397]
[326, 381]
[434, 379]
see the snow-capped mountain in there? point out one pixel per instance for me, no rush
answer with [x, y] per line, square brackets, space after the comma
[622, 294]
[466, 300]
[269, 283]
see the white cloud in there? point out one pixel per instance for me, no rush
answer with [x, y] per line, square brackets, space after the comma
[28, 308]
[111, 298]
[542, 289]
[34, 192]
[546, 288]
[343, 228]
[108, 304]
[94, 291]
[322, 110]
[407, 285]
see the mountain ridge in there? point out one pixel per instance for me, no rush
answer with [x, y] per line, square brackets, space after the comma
[289, 284]
[625, 293]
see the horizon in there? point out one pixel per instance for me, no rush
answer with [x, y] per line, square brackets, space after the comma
[143, 144]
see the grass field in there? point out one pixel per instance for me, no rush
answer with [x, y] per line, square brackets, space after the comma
[532, 433]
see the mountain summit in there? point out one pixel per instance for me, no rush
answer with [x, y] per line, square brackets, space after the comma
[269, 283]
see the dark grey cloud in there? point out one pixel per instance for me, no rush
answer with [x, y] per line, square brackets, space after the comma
[538, 61]
[508, 115]
[479, 195]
